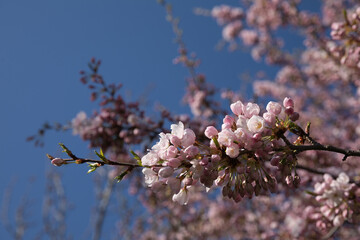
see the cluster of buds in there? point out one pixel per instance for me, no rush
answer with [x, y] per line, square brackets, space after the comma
[236, 158]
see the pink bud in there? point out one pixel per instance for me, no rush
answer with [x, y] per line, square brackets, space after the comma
[188, 181]
[166, 172]
[228, 120]
[275, 160]
[215, 158]
[211, 132]
[171, 152]
[57, 162]
[191, 151]
[288, 102]
[257, 136]
[174, 162]
[289, 110]
[294, 116]
[237, 107]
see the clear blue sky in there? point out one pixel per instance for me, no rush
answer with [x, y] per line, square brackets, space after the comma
[43, 46]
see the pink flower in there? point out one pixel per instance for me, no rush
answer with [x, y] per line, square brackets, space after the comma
[191, 151]
[177, 130]
[249, 37]
[274, 108]
[237, 108]
[150, 176]
[226, 137]
[256, 124]
[171, 152]
[188, 138]
[228, 120]
[181, 197]
[269, 118]
[241, 122]
[251, 109]
[175, 140]
[231, 30]
[232, 151]
[150, 159]
[241, 134]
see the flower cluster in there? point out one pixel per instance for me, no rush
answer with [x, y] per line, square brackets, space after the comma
[337, 199]
[235, 158]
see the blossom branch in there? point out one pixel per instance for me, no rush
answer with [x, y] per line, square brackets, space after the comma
[328, 148]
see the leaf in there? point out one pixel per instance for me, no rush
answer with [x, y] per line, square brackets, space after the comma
[311, 193]
[101, 156]
[121, 176]
[93, 167]
[136, 157]
[216, 142]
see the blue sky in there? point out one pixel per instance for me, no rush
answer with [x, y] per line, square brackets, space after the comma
[44, 44]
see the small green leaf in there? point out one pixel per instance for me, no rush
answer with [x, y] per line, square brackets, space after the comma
[121, 176]
[93, 167]
[136, 157]
[311, 193]
[101, 156]
[101, 152]
[216, 142]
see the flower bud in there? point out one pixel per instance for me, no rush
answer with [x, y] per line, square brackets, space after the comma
[191, 152]
[289, 180]
[288, 102]
[215, 158]
[174, 162]
[166, 172]
[211, 132]
[275, 160]
[296, 180]
[58, 162]
[188, 181]
[228, 120]
[237, 108]
[294, 116]
[289, 110]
